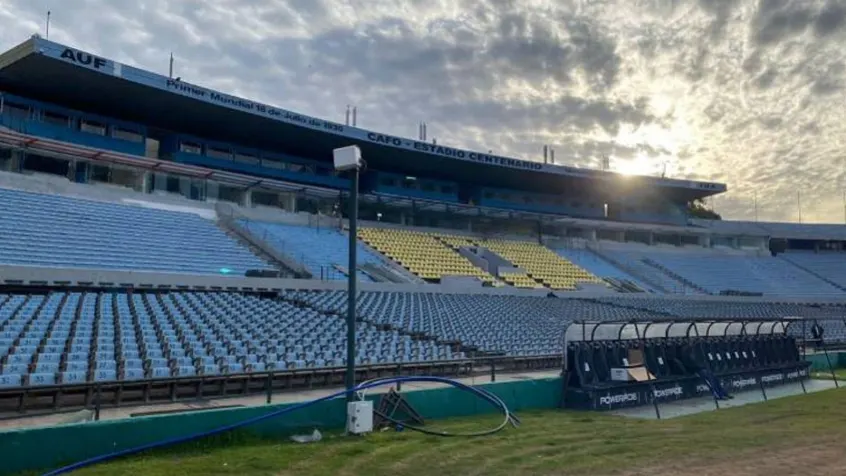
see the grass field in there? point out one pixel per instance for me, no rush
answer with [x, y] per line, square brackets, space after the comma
[797, 435]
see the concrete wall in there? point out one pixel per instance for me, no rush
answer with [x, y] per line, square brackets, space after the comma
[49, 447]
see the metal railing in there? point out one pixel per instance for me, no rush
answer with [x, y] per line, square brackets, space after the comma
[50, 399]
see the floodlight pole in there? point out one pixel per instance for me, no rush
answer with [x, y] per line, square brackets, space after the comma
[352, 278]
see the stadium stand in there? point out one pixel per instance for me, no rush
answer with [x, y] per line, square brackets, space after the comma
[631, 258]
[717, 271]
[827, 265]
[57, 231]
[697, 270]
[541, 263]
[73, 336]
[509, 325]
[421, 253]
[323, 251]
[70, 337]
[77, 337]
[592, 263]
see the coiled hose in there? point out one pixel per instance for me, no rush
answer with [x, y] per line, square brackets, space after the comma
[484, 394]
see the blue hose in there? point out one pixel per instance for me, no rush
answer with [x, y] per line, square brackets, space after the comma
[484, 394]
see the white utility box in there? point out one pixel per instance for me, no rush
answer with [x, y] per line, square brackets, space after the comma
[347, 158]
[359, 417]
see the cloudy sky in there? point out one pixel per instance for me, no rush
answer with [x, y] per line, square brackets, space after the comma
[746, 92]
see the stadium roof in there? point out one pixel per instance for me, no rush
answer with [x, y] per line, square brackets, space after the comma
[53, 72]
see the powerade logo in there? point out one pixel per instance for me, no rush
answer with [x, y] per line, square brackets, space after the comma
[745, 382]
[667, 392]
[796, 374]
[772, 378]
[621, 398]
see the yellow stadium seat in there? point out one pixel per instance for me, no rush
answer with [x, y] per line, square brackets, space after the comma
[541, 263]
[424, 254]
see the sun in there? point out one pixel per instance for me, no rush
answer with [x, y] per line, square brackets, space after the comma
[638, 165]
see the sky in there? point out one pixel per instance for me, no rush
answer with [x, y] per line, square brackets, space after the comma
[749, 93]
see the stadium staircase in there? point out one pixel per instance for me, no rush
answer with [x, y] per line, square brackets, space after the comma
[623, 285]
[541, 264]
[388, 271]
[421, 253]
[386, 274]
[628, 269]
[810, 271]
[229, 220]
[302, 301]
[688, 283]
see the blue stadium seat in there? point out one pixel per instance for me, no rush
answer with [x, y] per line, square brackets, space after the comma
[10, 380]
[116, 236]
[105, 375]
[40, 379]
[133, 374]
[233, 333]
[72, 377]
[322, 250]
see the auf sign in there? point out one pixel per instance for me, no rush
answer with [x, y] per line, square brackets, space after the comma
[83, 58]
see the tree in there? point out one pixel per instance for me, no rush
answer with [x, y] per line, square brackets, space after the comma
[699, 209]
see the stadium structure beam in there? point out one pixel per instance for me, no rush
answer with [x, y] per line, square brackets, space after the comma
[352, 276]
[349, 159]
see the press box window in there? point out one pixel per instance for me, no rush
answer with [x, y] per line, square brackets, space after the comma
[246, 158]
[127, 135]
[16, 111]
[273, 164]
[190, 148]
[56, 119]
[92, 127]
[218, 153]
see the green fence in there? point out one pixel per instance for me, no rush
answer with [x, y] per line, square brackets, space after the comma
[819, 363]
[38, 448]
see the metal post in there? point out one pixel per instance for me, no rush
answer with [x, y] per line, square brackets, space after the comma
[351, 275]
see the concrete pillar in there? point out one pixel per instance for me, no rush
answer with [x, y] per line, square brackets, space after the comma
[247, 199]
[143, 182]
[160, 182]
[185, 187]
[212, 190]
[290, 201]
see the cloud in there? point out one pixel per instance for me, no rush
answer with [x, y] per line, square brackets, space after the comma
[745, 92]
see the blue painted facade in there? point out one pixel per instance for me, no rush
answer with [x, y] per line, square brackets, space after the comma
[55, 122]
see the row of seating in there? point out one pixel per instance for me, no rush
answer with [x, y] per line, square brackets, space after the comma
[541, 263]
[58, 231]
[433, 255]
[72, 337]
[421, 253]
[78, 337]
[699, 271]
[322, 250]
